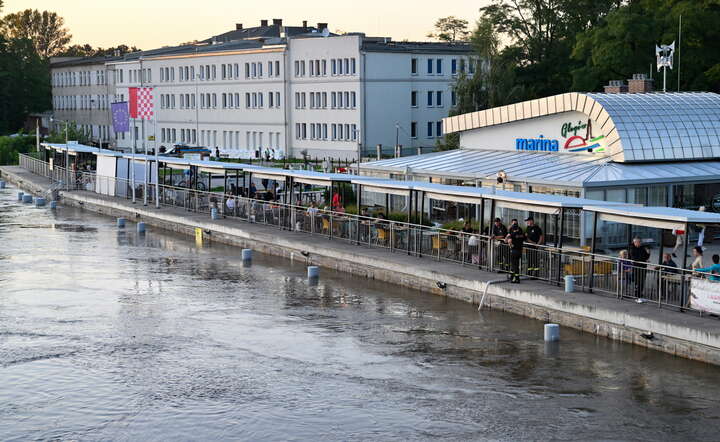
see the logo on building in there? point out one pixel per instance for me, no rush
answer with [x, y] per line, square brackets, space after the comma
[568, 128]
[540, 144]
[580, 144]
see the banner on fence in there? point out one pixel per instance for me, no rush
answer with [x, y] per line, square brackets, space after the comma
[705, 295]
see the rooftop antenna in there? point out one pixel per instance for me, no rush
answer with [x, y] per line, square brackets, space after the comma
[664, 54]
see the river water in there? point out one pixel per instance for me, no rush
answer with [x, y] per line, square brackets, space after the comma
[105, 334]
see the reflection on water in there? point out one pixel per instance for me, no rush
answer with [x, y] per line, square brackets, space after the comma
[105, 334]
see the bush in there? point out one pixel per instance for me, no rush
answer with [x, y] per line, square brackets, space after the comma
[10, 147]
[458, 225]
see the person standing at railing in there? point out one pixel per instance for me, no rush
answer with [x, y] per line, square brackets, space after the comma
[714, 269]
[667, 261]
[698, 261]
[499, 233]
[515, 238]
[535, 237]
[641, 255]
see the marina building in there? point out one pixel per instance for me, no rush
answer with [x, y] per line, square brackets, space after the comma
[658, 149]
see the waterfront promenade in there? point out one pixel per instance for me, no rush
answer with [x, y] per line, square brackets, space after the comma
[686, 335]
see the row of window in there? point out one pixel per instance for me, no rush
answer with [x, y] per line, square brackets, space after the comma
[319, 68]
[319, 100]
[435, 66]
[434, 129]
[82, 78]
[228, 71]
[253, 100]
[230, 138]
[80, 102]
[319, 131]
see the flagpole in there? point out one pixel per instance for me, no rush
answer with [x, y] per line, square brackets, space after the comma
[157, 166]
[132, 165]
[145, 172]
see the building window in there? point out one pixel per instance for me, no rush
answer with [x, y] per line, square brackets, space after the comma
[430, 66]
[414, 66]
[324, 100]
[271, 101]
[254, 70]
[333, 100]
[413, 99]
[247, 99]
[438, 129]
[413, 129]
[260, 70]
[438, 98]
[430, 129]
[277, 68]
[270, 68]
[453, 66]
[324, 68]
[333, 66]
[297, 68]
[353, 132]
[277, 99]
[298, 132]
[347, 66]
[302, 68]
[438, 69]
[453, 98]
[346, 95]
[353, 66]
[429, 98]
[353, 102]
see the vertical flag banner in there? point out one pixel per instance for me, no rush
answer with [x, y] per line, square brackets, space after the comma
[120, 116]
[141, 102]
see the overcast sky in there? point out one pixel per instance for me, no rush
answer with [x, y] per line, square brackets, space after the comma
[153, 23]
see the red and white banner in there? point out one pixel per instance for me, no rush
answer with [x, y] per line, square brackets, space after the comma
[141, 103]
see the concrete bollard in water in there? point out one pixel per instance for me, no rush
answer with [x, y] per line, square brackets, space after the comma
[121, 223]
[39, 202]
[569, 284]
[53, 205]
[20, 196]
[140, 227]
[313, 272]
[27, 199]
[214, 213]
[246, 254]
[552, 332]
[2, 184]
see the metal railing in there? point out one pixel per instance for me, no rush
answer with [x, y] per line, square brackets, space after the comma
[596, 273]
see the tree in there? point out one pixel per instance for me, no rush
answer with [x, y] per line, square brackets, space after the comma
[450, 29]
[74, 133]
[541, 35]
[24, 83]
[623, 44]
[45, 29]
[87, 50]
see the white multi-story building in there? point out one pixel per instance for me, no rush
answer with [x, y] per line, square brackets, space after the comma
[82, 90]
[293, 90]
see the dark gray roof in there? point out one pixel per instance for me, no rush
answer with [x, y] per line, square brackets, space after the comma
[375, 45]
[259, 32]
[81, 61]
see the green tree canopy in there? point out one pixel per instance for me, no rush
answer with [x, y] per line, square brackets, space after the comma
[44, 29]
[450, 29]
[624, 44]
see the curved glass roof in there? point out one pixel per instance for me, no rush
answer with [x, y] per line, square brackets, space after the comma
[637, 127]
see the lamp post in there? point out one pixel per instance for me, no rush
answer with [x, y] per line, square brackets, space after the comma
[67, 153]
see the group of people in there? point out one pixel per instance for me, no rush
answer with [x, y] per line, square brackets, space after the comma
[517, 238]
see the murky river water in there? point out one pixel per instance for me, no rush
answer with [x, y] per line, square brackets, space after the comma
[108, 335]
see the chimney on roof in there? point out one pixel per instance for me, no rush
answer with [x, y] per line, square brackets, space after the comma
[238, 26]
[277, 22]
[616, 87]
[321, 26]
[304, 25]
[640, 84]
[263, 22]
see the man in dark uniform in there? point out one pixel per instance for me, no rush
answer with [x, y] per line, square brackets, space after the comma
[516, 238]
[535, 238]
[639, 253]
[499, 233]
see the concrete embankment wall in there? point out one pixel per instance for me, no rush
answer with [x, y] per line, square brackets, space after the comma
[685, 335]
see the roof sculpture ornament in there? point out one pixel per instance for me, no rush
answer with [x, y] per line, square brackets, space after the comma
[664, 54]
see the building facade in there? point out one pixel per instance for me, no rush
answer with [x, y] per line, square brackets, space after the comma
[283, 91]
[82, 90]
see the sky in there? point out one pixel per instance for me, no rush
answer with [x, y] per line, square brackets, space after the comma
[150, 24]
